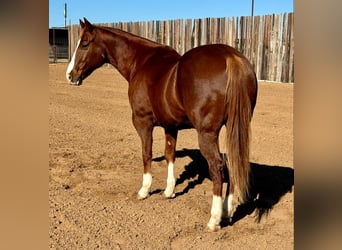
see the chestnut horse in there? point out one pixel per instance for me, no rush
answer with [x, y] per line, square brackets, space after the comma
[206, 88]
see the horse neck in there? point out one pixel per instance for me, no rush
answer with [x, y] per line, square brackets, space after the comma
[126, 52]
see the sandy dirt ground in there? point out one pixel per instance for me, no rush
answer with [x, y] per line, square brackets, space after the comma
[95, 172]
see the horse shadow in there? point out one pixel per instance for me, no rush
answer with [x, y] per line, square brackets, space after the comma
[267, 184]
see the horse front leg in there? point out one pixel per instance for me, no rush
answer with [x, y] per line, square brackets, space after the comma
[170, 156]
[145, 128]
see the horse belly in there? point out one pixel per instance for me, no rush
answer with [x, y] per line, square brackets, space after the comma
[168, 114]
[166, 102]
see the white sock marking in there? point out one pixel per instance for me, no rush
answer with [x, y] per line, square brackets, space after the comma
[216, 213]
[171, 181]
[230, 205]
[146, 185]
[72, 63]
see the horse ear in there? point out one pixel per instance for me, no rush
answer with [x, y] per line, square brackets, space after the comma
[82, 24]
[88, 24]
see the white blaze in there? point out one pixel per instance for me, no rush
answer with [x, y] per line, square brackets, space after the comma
[72, 62]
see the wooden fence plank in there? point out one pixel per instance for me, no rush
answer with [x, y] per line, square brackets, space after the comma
[194, 39]
[291, 51]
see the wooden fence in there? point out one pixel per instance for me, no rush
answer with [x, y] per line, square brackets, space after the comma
[267, 41]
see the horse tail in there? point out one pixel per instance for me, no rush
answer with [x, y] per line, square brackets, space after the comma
[239, 114]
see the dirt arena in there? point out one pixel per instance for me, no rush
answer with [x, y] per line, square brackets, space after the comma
[95, 172]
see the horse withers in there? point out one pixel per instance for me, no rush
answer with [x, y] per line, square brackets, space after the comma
[206, 88]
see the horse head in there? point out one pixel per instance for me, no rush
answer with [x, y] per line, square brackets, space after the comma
[88, 55]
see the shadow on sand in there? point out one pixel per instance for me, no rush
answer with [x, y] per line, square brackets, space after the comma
[267, 183]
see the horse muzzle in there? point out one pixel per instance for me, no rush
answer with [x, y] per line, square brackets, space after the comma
[76, 81]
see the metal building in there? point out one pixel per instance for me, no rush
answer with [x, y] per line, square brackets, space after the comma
[58, 45]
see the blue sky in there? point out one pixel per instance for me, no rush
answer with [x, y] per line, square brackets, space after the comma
[102, 11]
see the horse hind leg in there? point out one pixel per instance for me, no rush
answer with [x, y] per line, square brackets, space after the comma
[208, 143]
[228, 207]
[170, 152]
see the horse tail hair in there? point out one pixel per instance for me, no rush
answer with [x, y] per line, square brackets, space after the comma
[239, 114]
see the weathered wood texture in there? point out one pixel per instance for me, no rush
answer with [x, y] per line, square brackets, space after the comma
[267, 41]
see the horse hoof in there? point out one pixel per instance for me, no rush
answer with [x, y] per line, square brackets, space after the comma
[169, 196]
[213, 228]
[142, 195]
[227, 219]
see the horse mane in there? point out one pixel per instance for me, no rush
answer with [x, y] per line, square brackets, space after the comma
[133, 37]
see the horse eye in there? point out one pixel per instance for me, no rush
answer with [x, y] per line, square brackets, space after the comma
[84, 46]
